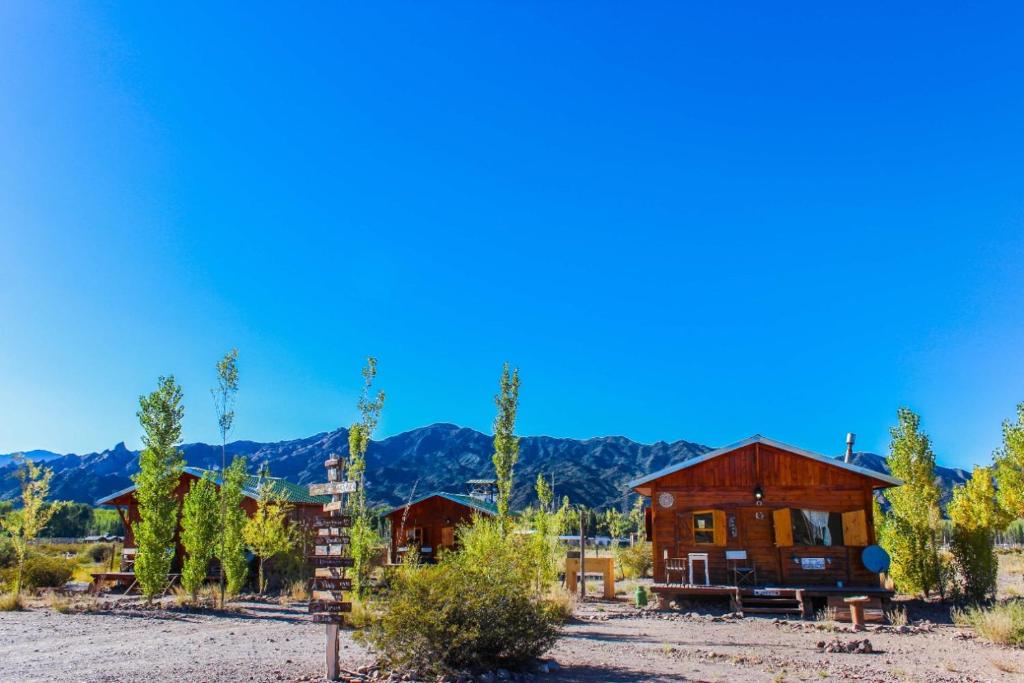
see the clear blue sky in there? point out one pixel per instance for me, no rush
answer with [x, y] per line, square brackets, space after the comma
[693, 223]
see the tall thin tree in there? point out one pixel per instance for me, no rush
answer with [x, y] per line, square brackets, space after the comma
[25, 523]
[363, 535]
[224, 403]
[160, 466]
[1009, 466]
[506, 443]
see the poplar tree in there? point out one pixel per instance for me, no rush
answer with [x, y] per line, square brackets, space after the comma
[25, 523]
[224, 402]
[1009, 466]
[976, 516]
[267, 532]
[363, 535]
[200, 529]
[506, 443]
[160, 466]
[232, 553]
[911, 533]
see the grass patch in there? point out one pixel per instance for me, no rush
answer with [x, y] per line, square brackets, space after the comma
[897, 616]
[11, 602]
[1002, 623]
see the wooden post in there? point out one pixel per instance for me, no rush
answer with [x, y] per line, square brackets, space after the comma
[333, 666]
[583, 553]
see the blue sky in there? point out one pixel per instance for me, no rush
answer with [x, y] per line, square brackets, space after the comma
[693, 223]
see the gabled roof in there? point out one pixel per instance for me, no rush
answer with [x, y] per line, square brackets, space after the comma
[289, 491]
[483, 506]
[757, 438]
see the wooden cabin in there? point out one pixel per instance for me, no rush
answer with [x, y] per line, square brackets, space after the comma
[304, 507]
[429, 522]
[762, 519]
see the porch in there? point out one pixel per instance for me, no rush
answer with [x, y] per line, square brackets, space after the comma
[796, 601]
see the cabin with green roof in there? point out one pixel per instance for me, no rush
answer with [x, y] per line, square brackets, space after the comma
[428, 523]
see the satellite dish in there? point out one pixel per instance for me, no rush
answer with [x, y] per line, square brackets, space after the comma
[875, 559]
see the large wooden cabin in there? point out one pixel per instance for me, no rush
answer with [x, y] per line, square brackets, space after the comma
[760, 517]
[304, 506]
[429, 522]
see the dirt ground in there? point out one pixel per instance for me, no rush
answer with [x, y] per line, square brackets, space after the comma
[606, 642]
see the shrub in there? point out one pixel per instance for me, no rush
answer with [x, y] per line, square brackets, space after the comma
[11, 602]
[635, 561]
[1002, 623]
[47, 571]
[8, 556]
[97, 552]
[476, 609]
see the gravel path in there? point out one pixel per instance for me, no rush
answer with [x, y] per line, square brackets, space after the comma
[606, 643]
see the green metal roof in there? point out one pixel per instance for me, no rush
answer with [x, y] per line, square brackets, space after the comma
[289, 491]
[483, 506]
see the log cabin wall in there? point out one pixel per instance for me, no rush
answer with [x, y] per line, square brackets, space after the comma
[725, 485]
[435, 518]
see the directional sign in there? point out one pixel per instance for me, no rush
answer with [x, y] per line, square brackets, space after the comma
[331, 583]
[328, 596]
[328, 618]
[329, 561]
[340, 520]
[335, 537]
[329, 607]
[331, 488]
[333, 463]
[330, 549]
[330, 573]
[333, 506]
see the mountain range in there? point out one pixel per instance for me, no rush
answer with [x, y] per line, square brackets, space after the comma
[437, 457]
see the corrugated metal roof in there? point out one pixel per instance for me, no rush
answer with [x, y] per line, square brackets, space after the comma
[289, 491]
[469, 501]
[757, 438]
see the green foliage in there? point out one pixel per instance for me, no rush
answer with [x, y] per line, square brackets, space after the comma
[72, 520]
[199, 527]
[25, 523]
[506, 443]
[475, 609]
[232, 552]
[223, 403]
[160, 466]
[911, 528]
[976, 515]
[106, 523]
[47, 571]
[267, 532]
[634, 561]
[364, 538]
[1009, 466]
[97, 552]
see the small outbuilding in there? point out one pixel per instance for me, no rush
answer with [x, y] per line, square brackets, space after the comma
[769, 525]
[428, 523]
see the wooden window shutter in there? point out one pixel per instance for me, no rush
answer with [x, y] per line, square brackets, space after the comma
[783, 527]
[719, 517]
[855, 528]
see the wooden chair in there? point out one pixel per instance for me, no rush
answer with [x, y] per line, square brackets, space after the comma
[675, 564]
[746, 574]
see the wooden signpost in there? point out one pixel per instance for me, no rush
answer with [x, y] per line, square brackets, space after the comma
[331, 560]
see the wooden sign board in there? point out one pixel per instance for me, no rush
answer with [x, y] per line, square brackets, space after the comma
[332, 536]
[334, 506]
[329, 607]
[331, 583]
[328, 618]
[339, 521]
[331, 488]
[331, 561]
[328, 596]
[329, 572]
[333, 463]
[330, 549]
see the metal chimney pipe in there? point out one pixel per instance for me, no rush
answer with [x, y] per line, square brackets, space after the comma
[850, 438]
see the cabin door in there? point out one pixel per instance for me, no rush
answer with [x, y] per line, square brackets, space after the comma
[447, 537]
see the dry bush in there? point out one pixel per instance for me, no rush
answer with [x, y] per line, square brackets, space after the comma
[1012, 562]
[181, 597]
[11, 602]
[897, 616]
[48, 571]
[58, 603]
[297, 591]
[635, 561]
[1001, 623]
[561, 602]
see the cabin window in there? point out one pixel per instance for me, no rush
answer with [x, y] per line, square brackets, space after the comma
[704, 528]
[414, 536]
[817, 528]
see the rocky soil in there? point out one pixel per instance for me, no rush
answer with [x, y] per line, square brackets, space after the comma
[606, 642]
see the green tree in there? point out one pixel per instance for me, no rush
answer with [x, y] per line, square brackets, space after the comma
[232, 553]
[913, 522]
[160, 466]
[267, 532]
[1009, 466]
[72, 520]
[363, 533]
[224, 403]
[638, 519]
[199, 532]
[506, 443]
[976, 516]
[25, 523]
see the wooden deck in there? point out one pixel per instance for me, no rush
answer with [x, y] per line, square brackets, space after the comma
[793, 600]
